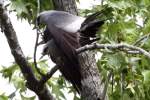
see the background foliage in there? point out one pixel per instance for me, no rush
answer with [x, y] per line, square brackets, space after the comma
[128, 21]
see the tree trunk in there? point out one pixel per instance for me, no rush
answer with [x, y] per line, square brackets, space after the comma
[66, 5]
[92, 86]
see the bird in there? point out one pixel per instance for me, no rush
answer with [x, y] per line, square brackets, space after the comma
[64, 33]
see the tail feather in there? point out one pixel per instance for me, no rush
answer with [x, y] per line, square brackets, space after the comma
[91, 17]
[72, 74]
[88, 31]
[91, 25]
[101, 14]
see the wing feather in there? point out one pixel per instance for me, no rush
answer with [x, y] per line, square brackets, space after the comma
[68, 43]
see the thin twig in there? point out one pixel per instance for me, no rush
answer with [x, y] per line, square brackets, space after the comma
[121, 47]
[129, 51]
[106, 84]
[45, 78]
[35, 49]
[141, 39]
[37, 38]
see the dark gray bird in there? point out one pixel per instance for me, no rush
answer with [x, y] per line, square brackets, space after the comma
[67, 32]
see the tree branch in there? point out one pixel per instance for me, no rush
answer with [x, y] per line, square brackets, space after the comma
[35, 49]
[106, 84]
[141, 39]
[37, 39]
[121, 47]
[32, 82]
[46, 77]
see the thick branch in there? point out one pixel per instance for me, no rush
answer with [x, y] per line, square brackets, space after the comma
[121, 47]
[19, 57]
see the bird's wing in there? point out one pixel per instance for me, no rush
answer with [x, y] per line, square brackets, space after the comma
[64, 39]
[71, 25]
[68, 43]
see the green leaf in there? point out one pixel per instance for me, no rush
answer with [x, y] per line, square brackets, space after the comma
[8, 72]
[116, 60]
[27, 98]
[120, 4]
[58, 92]
[19, 6]
[146, 75]
[3, 97]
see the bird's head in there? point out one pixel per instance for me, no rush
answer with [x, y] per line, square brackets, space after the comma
[43, 17]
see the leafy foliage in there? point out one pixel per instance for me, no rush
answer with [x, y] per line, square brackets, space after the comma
[130, 73]
[128, 20]
[27, 9]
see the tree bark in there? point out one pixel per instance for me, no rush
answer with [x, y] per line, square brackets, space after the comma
[92, 86]
[66, 5]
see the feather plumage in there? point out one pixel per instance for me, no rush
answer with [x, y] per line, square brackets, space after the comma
[69, 32]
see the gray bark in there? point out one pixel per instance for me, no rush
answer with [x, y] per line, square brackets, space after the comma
[66, 5]
[92, 86]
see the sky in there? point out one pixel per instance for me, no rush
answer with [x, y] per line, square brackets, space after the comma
[26, 36]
